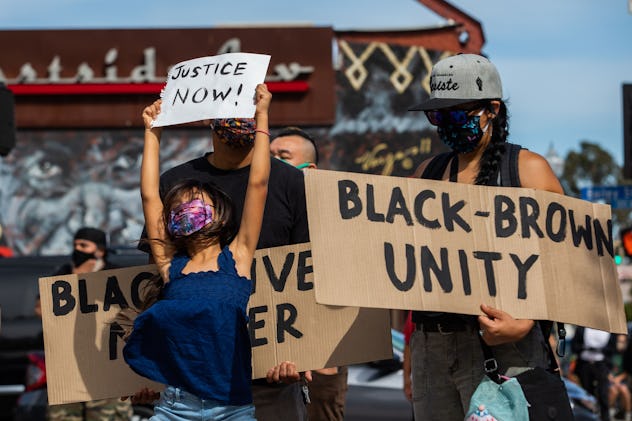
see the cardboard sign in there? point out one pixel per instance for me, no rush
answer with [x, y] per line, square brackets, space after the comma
[433, 245]
[84, 348]
[220, 86]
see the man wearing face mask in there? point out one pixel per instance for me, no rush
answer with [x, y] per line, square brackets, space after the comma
[328, 388]
[296, 147]
[89, 255]
[284, 223]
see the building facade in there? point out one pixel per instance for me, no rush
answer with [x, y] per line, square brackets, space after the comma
[79, 96]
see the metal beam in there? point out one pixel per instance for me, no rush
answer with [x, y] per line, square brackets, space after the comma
[472, 36]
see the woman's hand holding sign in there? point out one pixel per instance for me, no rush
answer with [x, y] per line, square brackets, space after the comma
[498, 327]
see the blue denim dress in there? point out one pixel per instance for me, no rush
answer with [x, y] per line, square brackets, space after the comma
[196, 337]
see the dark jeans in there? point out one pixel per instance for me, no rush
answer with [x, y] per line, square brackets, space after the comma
[327, 393]
[447, 368]
[278, 402]
[594, 378]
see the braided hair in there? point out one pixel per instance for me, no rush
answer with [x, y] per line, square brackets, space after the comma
[490, 161]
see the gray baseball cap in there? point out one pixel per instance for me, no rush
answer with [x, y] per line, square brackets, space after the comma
[460, 79]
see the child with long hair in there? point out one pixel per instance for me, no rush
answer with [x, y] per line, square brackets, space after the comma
[195, 338]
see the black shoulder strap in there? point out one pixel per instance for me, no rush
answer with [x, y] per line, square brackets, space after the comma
[437, 165]
[510, 177]
[490, 364]
[509, 174]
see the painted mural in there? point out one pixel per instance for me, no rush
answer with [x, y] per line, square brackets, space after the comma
[54, 182]
[374, 131]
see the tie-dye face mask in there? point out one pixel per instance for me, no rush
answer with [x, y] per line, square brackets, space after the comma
[235, 132]
[189, 217]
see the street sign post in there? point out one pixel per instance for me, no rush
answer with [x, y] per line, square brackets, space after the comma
[618, 197]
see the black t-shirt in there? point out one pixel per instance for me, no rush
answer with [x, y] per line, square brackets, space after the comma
[285, 214]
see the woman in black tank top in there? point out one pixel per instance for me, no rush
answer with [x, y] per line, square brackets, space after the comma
[466, 106]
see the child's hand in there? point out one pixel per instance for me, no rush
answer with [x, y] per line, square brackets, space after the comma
[284, 373]
[262, 99]
[151, 112]
[145, 396]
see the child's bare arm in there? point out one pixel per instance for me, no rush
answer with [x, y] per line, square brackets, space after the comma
[245, 242]
[150, 187]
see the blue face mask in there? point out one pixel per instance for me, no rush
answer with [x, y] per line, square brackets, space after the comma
[463, 138]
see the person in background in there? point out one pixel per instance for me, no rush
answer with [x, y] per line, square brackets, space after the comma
[471, 117]
[594, 349]
[409, 328]
[5, 251]
[295, 147]
[619, 397]
[328, 387]
[89, 255]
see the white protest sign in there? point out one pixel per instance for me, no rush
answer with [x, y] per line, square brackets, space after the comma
[417, 244]
[84, 345]
[220, 86]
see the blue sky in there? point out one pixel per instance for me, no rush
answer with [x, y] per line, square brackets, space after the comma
[562, 62]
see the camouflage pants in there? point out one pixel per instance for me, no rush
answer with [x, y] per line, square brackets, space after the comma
[102, 410]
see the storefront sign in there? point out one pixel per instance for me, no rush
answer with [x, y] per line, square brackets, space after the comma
[141, 80]
[106, 76]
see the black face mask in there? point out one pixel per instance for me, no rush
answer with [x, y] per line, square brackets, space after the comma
[79, 257]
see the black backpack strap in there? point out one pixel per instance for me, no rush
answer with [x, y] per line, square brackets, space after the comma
[547, 327]
[490, 365]
[437, 165]
[509, 174]
[561, 340]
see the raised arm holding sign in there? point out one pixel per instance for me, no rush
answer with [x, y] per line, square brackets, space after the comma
[198, 328]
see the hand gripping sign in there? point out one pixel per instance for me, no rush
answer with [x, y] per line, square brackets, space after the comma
[439, 246]
[220, 86]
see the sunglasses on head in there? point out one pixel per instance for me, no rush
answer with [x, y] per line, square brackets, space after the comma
[440, 117]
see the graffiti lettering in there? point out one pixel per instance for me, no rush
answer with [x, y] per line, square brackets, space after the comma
[380, 156]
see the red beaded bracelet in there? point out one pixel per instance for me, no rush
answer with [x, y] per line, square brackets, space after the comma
[263, 131]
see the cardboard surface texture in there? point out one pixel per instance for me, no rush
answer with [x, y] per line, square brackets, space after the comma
[432, 245]
[84, 350]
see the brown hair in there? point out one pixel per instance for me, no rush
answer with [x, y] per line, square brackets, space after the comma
[151, 292]
[223, 227]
